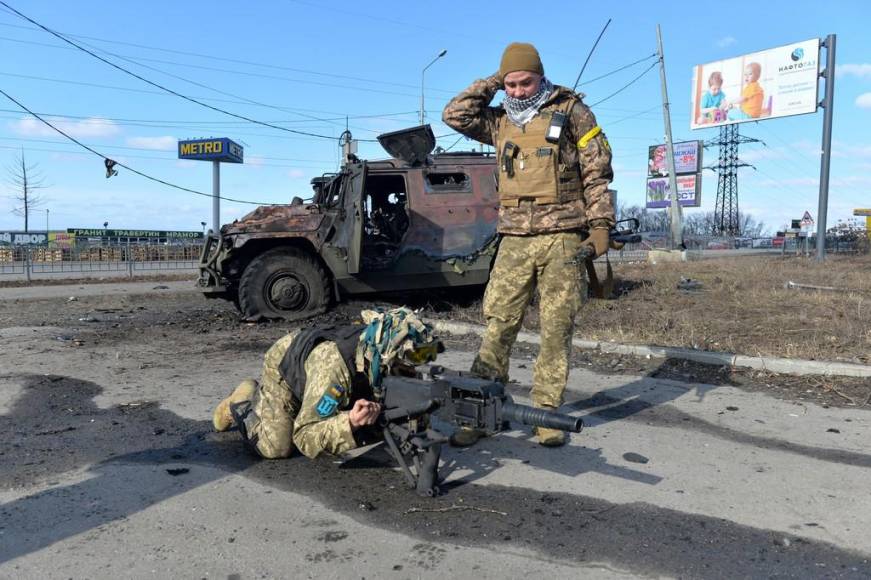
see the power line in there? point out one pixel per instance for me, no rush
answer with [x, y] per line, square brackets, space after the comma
[616, 70]
[225, 93]
[618, 91]
[127, 167]
[221, 59]
[132, 148]
[175, 123]
[162, 87]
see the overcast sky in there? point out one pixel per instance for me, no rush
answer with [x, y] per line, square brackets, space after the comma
[307, 65]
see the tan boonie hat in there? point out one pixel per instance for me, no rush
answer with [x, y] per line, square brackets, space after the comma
[520, 56]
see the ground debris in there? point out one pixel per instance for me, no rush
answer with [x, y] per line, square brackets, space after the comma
[635, 458]
[454, 508]
[689, 285]
[790, 285]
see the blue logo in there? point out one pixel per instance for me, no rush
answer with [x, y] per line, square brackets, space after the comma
[797, 54]
[326, 406]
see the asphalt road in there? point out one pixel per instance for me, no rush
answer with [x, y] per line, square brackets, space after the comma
[108, 469]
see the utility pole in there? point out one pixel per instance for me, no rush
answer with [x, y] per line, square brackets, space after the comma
[828, 103]
[676, 240]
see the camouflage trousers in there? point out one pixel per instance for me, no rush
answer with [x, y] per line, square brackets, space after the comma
[267, 420]
[523, 264]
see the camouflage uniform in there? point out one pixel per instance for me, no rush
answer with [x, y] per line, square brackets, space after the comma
[338, 366]
[538, 239]
[278, 422]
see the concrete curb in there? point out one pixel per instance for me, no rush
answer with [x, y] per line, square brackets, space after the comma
[773, 364]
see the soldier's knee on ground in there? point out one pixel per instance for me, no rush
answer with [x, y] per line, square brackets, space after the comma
[222, 418]
[274, 449]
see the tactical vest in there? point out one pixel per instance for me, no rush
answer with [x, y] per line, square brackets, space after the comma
[538, 172]
[292, 367]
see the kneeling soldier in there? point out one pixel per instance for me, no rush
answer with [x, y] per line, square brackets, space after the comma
[320, 387]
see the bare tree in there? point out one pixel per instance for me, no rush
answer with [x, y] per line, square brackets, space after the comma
[25, 181]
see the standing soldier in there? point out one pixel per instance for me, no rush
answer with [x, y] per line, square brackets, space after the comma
[554, 170]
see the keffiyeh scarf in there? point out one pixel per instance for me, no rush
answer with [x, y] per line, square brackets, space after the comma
[521, 111]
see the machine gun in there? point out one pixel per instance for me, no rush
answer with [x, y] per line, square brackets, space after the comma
[454, 398]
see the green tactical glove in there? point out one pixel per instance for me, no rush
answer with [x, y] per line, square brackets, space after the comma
[598, 240]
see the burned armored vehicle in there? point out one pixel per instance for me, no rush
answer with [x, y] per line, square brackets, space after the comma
[414, 222]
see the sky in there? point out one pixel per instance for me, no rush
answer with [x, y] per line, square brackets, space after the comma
[317, 67]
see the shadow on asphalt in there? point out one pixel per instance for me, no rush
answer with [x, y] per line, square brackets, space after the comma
[133, 457]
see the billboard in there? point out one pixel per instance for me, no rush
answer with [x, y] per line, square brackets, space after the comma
[218, 149]
[687, 158]
[688, 190]
[101, 233]
[772, 83]
[19, 238]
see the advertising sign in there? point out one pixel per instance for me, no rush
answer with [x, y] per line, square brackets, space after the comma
[99, 233]
[688, 191]
[61, 239]
[15, 238]
[217, 149]
[772, 83]
[687, 158]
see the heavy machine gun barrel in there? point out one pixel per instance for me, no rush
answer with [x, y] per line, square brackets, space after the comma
[541, 417]
[460, 400]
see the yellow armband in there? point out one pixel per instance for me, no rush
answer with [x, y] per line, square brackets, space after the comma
[583, 141]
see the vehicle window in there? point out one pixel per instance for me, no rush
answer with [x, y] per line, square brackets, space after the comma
[448, 182]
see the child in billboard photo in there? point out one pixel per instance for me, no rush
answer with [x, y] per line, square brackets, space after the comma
[749, 106]
[712, 106]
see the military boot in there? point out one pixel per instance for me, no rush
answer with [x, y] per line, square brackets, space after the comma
[222, 419]
[550, 437]
[465, 437]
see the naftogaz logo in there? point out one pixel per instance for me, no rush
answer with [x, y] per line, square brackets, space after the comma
[797, 54]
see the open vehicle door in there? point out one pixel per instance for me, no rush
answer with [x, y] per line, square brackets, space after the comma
[411, 145]
[353, 203]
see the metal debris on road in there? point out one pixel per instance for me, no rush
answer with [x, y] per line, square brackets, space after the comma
[454, 508]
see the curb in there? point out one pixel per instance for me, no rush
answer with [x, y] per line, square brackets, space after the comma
[773, 364]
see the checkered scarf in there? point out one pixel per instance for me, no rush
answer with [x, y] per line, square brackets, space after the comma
[521, 111]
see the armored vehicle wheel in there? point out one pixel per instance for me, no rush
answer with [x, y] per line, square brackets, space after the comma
[283, 283]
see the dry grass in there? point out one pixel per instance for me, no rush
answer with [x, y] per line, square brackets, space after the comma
[743, 307]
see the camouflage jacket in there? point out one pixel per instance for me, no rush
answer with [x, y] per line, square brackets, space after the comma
[470, 113]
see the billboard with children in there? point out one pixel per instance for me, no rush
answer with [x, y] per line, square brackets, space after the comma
[772, 83]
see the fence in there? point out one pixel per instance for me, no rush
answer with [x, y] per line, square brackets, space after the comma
[103, 259]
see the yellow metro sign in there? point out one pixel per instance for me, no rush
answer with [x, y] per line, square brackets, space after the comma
[216, 149]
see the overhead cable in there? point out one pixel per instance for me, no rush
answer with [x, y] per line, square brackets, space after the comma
[618, 91]
[223, 59]
[127, 167]
[160, 86]
[616, 70]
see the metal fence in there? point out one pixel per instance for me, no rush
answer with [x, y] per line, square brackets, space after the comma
[28, 262]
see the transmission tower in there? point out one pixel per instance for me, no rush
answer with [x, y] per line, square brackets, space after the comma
[726, 210]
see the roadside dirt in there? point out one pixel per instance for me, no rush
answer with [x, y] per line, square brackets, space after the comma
[184, 325]
[737, 305]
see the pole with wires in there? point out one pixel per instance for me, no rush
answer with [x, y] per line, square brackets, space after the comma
[676, 240]
[825, 164]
